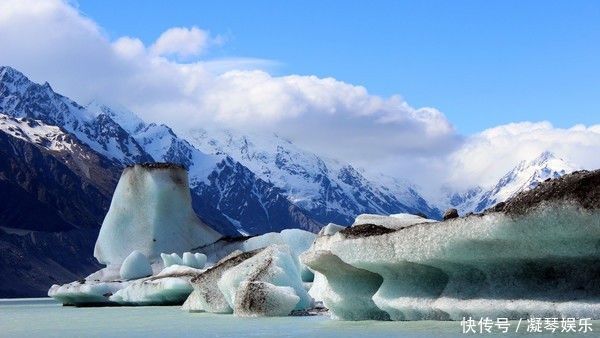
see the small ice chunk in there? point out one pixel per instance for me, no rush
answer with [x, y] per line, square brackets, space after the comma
[77, 293]
[200, 259]
[171, 259]
[331, 229]
[196, 260]
[135, 266]
[159, 291]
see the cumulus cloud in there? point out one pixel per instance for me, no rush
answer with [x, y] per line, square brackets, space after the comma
[486, 156]
[52, 41]
[183, 42]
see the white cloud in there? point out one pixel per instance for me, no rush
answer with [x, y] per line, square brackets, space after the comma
[51, 41]
[183, 42]
[488, 155]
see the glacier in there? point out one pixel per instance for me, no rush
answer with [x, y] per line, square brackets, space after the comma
[538, 256]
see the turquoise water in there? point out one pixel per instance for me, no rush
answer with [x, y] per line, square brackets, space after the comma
[45, 318]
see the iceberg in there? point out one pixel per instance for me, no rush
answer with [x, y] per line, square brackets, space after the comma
[534, 256]
[154, 291]
[196, 260]
[275, 266]
[82, 293]
[151, 212]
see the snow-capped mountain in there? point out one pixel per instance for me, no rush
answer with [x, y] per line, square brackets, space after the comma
[20, 97]
[525, 176]
[332, 191]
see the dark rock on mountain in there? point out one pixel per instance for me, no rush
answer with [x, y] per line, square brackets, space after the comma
[30, 261]
[240, 196]
[450, 214]
[43, 191]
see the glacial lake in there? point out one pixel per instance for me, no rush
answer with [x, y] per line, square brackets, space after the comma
[42, 317]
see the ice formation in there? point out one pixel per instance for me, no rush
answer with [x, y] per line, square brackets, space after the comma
[194, 260]
[538, 257]
[151, 212]
[275, 266]
[154, 291]
[135, 266]
[171, 259]
[331, 229]
[206, 296]
[84, 293]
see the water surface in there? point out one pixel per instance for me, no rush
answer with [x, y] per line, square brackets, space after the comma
[44, 318]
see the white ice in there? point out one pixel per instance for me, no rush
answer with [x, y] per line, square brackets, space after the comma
[135, 266]
[543, 263]
[274, 265]
[151, 212]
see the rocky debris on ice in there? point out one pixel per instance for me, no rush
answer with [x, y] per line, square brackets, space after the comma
[135, 266]
[264, 299]
[151, 212]
[394, 221]
[536, 258]
[262, 282]
[206, 296]
[298, 241]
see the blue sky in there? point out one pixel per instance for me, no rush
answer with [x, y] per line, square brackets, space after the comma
[481, 63]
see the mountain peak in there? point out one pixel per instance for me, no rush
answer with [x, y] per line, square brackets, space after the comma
[545, 157]
[9, 74]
